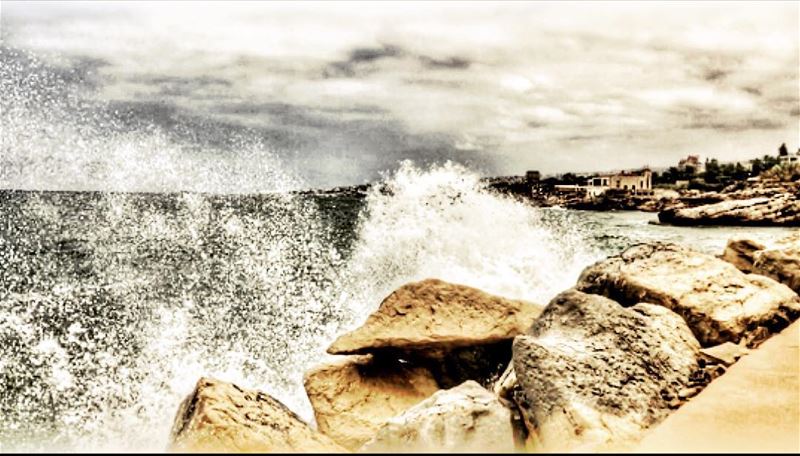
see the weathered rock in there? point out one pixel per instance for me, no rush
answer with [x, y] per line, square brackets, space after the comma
[780, 210]
[467, 418]
[719, 302]
[354, 397]
[594, 373]
[739, 252]
[222, 417]
[434, 315]
[781, 261]
[725, 354]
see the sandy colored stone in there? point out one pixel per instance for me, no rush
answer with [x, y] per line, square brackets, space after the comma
[436, 315]
[739, 252]
[719, 302]
[594, 374]
[726, 354]
[779, 210]
[355, 396]
[781, 261]
[467, 418]
[221, 417]
[754, 407]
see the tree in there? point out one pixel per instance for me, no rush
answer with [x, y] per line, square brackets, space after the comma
[782, 151]
[712, 171]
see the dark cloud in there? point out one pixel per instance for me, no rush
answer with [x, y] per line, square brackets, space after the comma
[715, 74]
[180, 85]
[360, 61]
[453, 63]
[755, 91]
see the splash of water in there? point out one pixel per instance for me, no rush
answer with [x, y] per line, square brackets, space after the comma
[441, 222]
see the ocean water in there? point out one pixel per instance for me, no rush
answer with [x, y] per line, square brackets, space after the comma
[112, 305]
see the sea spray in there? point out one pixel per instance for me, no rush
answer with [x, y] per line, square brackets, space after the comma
[441, 222]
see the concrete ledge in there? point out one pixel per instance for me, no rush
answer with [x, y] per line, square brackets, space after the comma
[754, 407]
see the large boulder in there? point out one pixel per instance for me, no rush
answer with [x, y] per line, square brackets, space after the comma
[467, 418]
[221, 417]
[594, 374]
[781, 261]
[719, 302]
[353, 397]
[780, 210]
[436, 316]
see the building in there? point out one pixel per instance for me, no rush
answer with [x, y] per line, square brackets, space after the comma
[693, 162]
[533, 177]
[790, 157]
[637, 182]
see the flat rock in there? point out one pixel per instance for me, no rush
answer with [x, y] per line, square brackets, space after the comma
[221, 417]
[719, 302]
[467, 418]
[353, 397]
[754, 407]
[725, 354]
[778, 210]
[594, 373]
[434, 315]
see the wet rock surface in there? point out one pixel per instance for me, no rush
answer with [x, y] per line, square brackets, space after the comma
[222, 417]
[594, 373]
[433, 315]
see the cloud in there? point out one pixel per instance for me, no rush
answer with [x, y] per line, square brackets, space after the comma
[509, 82]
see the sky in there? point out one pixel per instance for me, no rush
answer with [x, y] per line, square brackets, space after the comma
[348, 89]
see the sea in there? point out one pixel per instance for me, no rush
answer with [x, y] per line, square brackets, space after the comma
[114, 304]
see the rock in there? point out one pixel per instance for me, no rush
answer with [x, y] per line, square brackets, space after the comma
[467, 418]
[739, 252]
[781, 261]
[594, 373]
[725, 354]
[224, 418]
[780, 210]
[355, 396]
[433, 315]
[482, 363]
[719, 302]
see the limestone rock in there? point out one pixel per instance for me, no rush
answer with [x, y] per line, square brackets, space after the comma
[781, 261]
[725, 354]
[435, 315]
[739, 252]
[221, 417]
[719, 302]
[353, 397]
[467, 418]
[781, 210]
[595, 374]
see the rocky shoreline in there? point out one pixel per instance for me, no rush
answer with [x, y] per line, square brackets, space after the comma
[442, 367]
